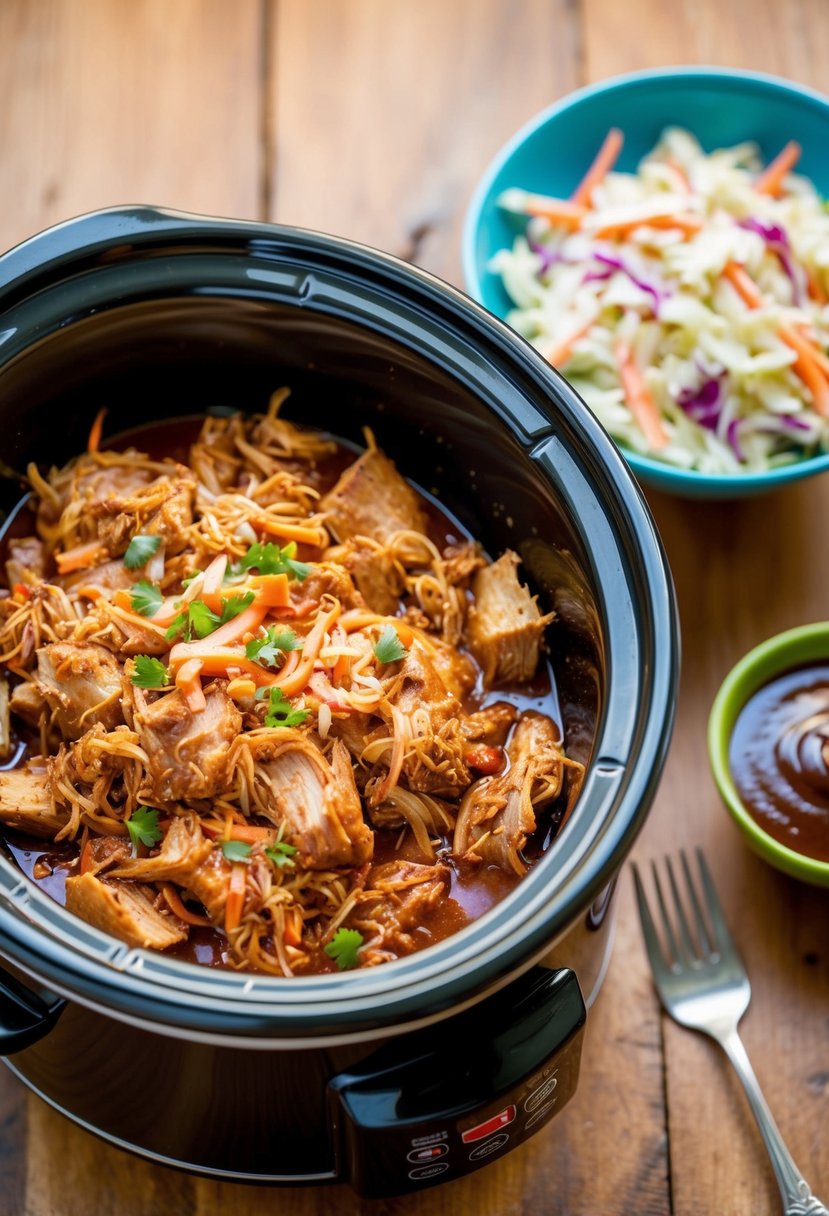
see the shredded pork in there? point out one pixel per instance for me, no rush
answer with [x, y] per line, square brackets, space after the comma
[252, 685]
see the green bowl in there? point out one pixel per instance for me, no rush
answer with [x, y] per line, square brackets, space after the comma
[779, 654]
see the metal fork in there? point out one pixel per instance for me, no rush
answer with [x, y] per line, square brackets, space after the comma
[703, 984]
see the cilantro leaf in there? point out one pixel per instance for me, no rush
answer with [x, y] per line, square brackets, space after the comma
[281, 854]
[201, 619]
[197, 618]
[236, 850]
[180, 625]
[143, 828]
[233, 605]
[270, 650]
[146, 598]
[280, 712]
[140, 550]
[388, 648]
[149, 673]
[343, 948]
[270, 559]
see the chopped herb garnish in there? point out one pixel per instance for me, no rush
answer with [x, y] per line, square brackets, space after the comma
[388, 648]
[146, 598]
[236, 850]
[268, 558]
[180, 626]
[202, 620]
[143, 828]
[270, 650]
[149, 673]
[196, 618]
[280, 711]
[233, 605]
[343, 948]
[281, 854]
[140, 550]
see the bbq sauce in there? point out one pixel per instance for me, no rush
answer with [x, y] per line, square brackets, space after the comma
[779, 759]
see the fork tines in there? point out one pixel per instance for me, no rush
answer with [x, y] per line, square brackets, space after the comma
[679, 945]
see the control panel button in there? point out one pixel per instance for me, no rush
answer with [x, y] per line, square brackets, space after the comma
[481, 1130]
[488, 1147]
[540, 1095]
[541, 1114]
[429, 1171]
[430, 1153]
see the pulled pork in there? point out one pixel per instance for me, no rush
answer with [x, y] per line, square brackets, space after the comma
[253, 689]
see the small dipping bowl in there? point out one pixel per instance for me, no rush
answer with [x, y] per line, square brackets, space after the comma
[807, 644]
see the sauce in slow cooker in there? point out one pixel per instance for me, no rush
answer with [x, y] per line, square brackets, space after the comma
[473, 890]
[779, 759]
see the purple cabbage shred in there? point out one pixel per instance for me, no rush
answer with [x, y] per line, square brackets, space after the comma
[704, 403]
[617, 263]
[778, 242]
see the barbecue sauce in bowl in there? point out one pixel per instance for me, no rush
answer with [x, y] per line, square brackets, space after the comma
[779, 759]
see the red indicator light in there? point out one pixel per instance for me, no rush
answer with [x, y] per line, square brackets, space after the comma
[494, 1124]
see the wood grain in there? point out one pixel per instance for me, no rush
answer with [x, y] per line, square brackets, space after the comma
[105, 102]
[374, 120]
[382, 118]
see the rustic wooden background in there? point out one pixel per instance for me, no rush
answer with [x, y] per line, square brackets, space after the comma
[372, 119]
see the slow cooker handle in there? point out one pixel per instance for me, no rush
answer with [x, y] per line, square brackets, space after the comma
[25, 1016]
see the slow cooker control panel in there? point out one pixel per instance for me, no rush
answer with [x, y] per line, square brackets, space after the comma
[442, 1102]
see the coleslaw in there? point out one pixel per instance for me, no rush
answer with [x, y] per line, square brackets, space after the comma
[686, 302]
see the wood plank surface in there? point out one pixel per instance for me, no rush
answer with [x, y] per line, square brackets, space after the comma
[373, 120]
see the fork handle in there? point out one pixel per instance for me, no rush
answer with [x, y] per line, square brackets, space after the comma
[797, 1197]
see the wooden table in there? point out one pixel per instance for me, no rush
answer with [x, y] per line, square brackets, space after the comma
[373, 119]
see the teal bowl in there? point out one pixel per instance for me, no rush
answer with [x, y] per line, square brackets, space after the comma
[551, 152]
[785, 651]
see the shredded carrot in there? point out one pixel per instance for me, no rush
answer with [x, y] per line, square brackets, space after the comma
[179, 908]
[342, 669]
[249, 833]
[815, 286]
[811, 365]
[770, 181]
[247, 621]
[294, 682]
[96, 430]
[639, 399]
[188, 679]
[605, 159]
[404, 633]
[303, 534]
[807, 369]
[22, 591]
[235, 896]
[689, 224]
[557, 211]
[561, 351]
[80, 558]
[743, 284]
[270, 589]
[292, 933]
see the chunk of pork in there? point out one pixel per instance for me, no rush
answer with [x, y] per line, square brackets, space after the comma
[81, 683]
[497, 814]
[126, 910]
[189, 753]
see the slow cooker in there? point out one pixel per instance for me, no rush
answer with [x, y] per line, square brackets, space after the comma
[418, 1071]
